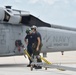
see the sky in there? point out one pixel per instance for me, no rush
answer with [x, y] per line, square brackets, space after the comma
[59, 12]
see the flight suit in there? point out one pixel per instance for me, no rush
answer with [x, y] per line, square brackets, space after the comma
[34, 45]
[29, 46]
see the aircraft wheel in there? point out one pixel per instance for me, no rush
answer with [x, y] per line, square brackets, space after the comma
[45, 68]
[31, 67]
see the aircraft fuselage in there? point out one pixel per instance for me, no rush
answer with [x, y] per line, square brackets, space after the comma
[54, 40]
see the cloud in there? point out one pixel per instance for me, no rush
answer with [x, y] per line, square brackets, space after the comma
[45, 1]
[50, 2]
[66, 1]
[33, 1]
[18, 1]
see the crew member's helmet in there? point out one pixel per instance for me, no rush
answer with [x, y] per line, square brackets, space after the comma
[34, 27]
[28, 30]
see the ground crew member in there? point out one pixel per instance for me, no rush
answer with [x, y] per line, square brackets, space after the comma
[36, 44]
[28, 41]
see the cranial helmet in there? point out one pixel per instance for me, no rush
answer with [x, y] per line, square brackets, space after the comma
[28, 30]
[34, 27]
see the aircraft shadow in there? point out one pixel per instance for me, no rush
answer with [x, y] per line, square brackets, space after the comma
[13, 65]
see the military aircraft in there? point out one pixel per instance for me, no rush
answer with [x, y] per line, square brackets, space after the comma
[13, 24]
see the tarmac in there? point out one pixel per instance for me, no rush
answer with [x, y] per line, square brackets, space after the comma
[17, 65]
